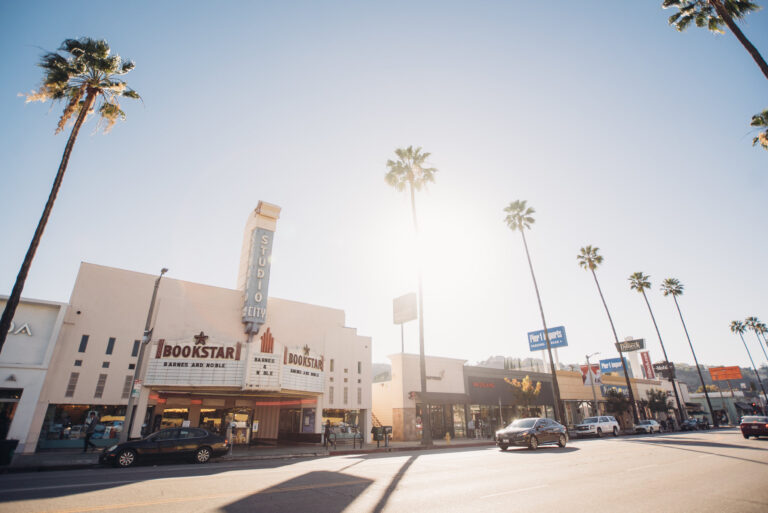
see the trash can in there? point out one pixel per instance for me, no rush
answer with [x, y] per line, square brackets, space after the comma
[7, 447]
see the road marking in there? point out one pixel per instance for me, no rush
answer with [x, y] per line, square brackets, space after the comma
[514, 491]
[283, 489]
[74, 485]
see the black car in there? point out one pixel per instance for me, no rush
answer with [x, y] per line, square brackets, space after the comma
[195, 443]
[691, 425]
[531, 433]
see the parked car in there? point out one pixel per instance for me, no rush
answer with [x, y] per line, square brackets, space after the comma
[689, 425]
[598, 426]
[195, 443]
[648, 426]
[754, 425]
[531, 433]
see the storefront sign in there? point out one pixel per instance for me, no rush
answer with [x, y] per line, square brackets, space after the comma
[614, 365]
[302, 370]
[588, 378]
[263, 372]
[537, 341]
[662, 370]
[630, 345]
[645, 356]
[257, 280]
[24, 329]
[725, 373]
[404, 308]
[197, 364]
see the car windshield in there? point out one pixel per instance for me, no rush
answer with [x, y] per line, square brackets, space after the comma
[755, 419]
[590, 420]
[523, 423]
[643, 422]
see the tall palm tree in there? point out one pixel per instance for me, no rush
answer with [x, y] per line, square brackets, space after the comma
[754, 324]
[738, 327]
[641, 282]
[589, 259]
[409, 170]
[519, 217]
[762, 329]
[713, 14]
[82, 75]
[673, 287]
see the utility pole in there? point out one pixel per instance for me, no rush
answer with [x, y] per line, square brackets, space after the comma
[594, 394]
[137, 373]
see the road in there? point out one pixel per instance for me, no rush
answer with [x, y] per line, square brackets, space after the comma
[715, 471]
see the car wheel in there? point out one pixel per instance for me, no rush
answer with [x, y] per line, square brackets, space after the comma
[746, 437]
[561, 441]
[615, 431]
[126, 458]
[503, 447]
[202, 455]
[599, 433]
[533, 443]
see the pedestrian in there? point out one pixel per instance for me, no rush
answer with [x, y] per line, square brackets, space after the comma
[471, 428]
[327, 433]
[90, 428]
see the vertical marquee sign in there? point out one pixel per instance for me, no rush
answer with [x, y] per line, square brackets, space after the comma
[259, 257]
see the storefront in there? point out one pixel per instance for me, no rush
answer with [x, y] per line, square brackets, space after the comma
[227, 360]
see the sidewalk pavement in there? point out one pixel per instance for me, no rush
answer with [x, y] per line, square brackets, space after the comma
[66, 460]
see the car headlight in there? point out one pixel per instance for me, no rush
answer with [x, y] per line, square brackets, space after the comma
[112, 448]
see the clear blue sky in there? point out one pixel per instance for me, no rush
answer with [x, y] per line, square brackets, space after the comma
[619, 131]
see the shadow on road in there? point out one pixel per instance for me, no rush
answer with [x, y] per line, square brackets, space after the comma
[698, 446]
[318, 492]
[393, 485]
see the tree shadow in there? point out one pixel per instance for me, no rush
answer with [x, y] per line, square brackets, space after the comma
[319, 492]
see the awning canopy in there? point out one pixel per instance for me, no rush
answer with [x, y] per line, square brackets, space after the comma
[743, 406]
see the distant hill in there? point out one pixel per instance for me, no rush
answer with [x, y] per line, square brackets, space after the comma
[381, 372]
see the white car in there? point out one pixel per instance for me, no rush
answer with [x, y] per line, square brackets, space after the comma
[598, 426]
[647, 426]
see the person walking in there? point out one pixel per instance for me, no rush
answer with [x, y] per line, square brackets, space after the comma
[90, 428]
[327, 433]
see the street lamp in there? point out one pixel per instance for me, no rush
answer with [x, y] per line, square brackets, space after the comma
[129, 413]
[590, 373]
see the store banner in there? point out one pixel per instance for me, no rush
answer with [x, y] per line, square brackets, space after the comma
[645, 356]
[538, 342]
[588, 378]
[303, 370]
[199, 364]
[663, 370]
[257, 280]
[614, 365]
[725, 373]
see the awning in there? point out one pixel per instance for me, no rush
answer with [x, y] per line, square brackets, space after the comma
[743, 406]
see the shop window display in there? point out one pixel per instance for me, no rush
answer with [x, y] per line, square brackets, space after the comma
[64, 425]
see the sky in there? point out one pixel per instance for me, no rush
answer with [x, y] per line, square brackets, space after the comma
[619, 131]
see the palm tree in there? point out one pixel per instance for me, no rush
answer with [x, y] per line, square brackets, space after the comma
[713, 14]
[589, 259]
[762, 329]
[85, 75]
[409, 171]
[754, 324]
[673, 287]
[738, 327]
[519, 217]
[641, 282]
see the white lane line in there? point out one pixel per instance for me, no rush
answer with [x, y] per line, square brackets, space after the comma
[514, 491]
[641, 468]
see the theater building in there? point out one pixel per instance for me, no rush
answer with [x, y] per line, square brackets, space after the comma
[271, 369]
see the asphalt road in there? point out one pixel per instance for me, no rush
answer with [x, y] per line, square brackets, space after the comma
[700, 472]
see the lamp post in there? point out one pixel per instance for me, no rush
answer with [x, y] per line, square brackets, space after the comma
[129, 413]
[590, 373]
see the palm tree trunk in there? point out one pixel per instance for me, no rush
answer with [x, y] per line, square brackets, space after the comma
[761, 345]
[21, 278]
[680, 409]
[715, 421]
[555, 386]
[426, 431]
[635, 413]
[757, 374]
[720, 8]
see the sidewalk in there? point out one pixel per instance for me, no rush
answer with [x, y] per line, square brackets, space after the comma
[66, 460]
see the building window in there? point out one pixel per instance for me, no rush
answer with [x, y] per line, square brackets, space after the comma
[346, 370]
[135, 350]
[345, 380]
[105, 365]
[331, 364]
[346, 395]
[359, 380]
[331, 379]
[359, 395]
[359, 367]
[330, 394]
[100, 386]
[127, 386]
[131, 366]
[110, 345]
[78, 363]
[72, 384]
[83, 344]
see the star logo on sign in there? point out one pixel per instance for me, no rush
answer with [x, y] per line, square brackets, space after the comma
[306, 350]
[200, 339]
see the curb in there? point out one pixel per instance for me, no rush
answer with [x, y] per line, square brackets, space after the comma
[379, 450]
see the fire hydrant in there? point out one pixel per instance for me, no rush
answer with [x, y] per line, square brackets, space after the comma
[448, 438]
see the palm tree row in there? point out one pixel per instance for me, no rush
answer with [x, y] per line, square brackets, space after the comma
[739, 328]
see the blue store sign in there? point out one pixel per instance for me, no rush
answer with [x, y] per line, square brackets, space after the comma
[538, 342]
